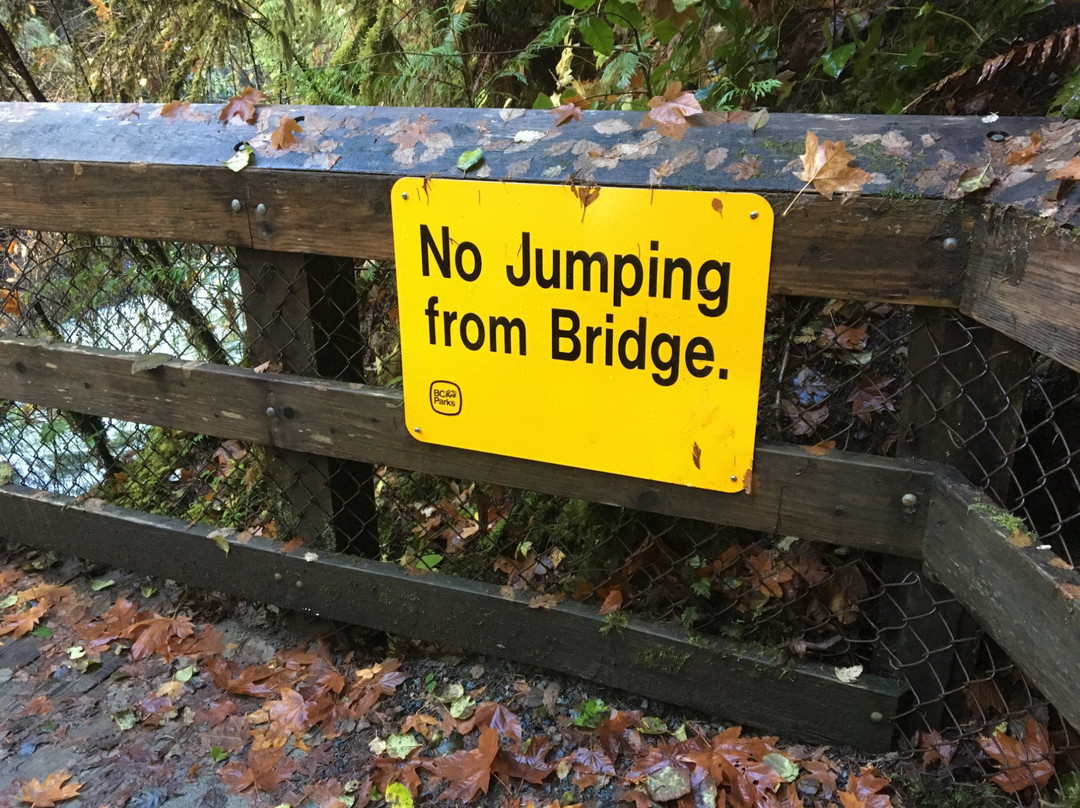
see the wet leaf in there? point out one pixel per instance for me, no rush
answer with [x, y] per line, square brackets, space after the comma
[826, 167]
[612, 603]
[97, 584]
[469, 772]
[782, 765]
[401, 746]
[53, 790]
[746, 168]
[669, 783]
[669, 112]
[470, 159]
[241, 158]
[284, 136]
[1025, 762]
[242, 107]
[398, 796]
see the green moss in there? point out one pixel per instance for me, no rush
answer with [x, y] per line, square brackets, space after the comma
[927, 791]
[663, 657]
[616, 621]
[999, 516]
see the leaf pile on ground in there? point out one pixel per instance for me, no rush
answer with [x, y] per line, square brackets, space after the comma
[151, 699]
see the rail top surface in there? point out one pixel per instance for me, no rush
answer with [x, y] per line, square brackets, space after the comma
[1005, 160]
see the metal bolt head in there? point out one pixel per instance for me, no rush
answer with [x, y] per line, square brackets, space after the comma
[734, 479]
[277, 576]
[270, 412]
[753, 214]
[416, 429]
[260, 209]
[876, 717]
[909, 501]
[299, 584]
[236, 205]
[950, 244]
[404, 196]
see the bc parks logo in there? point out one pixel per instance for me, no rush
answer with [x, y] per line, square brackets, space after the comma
[445, 398]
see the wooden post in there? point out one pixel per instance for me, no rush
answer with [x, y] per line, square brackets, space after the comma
[303, 311]
[962, 408]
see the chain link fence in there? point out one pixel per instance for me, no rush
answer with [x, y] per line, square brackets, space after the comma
[862, 377]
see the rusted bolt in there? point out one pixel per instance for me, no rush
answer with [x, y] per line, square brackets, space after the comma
[260, 209]
[236, 205]
[270, 412]
[950, 244]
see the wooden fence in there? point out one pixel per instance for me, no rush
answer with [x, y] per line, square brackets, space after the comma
[1000, 256]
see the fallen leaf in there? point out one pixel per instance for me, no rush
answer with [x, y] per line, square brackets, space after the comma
[284, 136]
[612, 126]
[718, 205]
[695, 455]
[746, 168]
[265, 770]
[242, 107]
[849, 674]
[757, 120]
[821, 448]
[470, 159]
[47, 794]
[468, 772]
[714, 158]
[612, 603]
[566, 112]
[241, 158]
[669, 112]
[826, 167]
[544, 601]
[748, 482]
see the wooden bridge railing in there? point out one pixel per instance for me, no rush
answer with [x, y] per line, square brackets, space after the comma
[1001, 255]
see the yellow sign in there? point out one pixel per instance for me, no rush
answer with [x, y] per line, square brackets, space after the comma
[614, 329]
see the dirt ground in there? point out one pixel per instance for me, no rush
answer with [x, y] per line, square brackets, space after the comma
[151, 695]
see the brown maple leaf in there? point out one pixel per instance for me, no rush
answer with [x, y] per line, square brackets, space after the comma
[864, 791]
[747, 168]
[181, 110]
[242, 106]
[936, 749]
[870, 397]
[497, 716]
[469, 772]
[826, 167]
[156, 634]
[530, 765]
[1027, 761]
[23, 623]
[613, 601]
[266, 769]
[289, 713]
[55, 789]
[569, 111]
[284, 136]
[669, 112]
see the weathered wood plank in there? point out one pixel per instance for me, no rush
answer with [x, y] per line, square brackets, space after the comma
[174, 203]
[1028, 606]
[886, 247]
[1024, 280]
[842, 498]
[800, 700]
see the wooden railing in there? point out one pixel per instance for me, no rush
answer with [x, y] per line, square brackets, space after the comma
[124, 171]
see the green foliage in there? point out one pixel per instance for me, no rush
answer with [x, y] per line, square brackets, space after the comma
[923, 790]
[590, 713]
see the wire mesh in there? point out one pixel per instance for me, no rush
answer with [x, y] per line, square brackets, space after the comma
[872, 378]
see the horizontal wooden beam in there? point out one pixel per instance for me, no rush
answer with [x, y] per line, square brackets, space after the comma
[1024, 598]
[800, 700]
[842, 498]
[144, 175]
